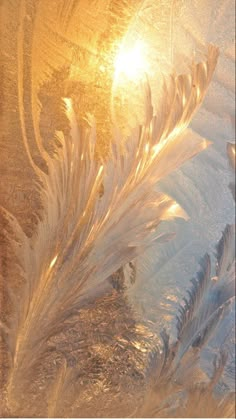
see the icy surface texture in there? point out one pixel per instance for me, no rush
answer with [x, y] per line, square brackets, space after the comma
[104, 218]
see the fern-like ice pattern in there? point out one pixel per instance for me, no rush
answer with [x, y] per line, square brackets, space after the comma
[82, 201]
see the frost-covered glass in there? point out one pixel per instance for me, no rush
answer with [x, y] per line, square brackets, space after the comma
[116, 188]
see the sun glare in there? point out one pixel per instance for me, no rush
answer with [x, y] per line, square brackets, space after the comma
[130, 62]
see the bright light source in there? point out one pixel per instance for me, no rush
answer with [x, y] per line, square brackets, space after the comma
[130, 62]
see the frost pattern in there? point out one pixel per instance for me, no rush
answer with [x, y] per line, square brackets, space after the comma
[82, 202]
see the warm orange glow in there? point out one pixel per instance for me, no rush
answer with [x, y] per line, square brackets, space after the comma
[131, 61]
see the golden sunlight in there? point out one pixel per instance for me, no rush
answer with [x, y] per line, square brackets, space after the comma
[131, 62]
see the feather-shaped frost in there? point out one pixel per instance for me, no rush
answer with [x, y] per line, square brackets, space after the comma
[85, 236]
[177, 381]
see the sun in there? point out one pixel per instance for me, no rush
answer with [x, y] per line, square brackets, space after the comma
[131, 62]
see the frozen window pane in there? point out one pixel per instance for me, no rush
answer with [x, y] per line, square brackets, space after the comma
[117, 150]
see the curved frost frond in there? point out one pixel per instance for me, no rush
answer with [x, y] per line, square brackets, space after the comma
[176, 377]
[99, 215]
